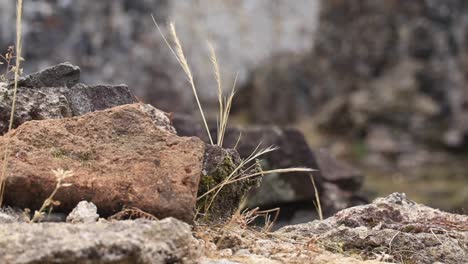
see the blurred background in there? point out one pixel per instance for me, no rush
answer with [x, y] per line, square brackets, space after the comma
[381, 85]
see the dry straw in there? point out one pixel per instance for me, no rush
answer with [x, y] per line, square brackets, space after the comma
[6, 149]
[241, 172]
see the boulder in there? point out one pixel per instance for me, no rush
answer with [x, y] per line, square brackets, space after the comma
[119, 157]
[141, 241]
[393, 227]
[117, 41]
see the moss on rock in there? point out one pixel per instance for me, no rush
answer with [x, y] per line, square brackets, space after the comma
[219, 164]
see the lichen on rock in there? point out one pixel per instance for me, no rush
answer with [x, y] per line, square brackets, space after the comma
[219, 165]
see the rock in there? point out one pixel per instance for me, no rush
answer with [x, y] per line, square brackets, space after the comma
[84, 212]
[338, 172]
[119, 158]
[117, 41]
[141, 241]
[393, 226]
[10, 215]
[255, 247]
[38, 101]
[60, 75]
[33, 104]
[84, 99]
[220, 164]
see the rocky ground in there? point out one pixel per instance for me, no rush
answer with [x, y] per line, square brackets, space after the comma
[380, 85]
[134, 175]
[389, 230]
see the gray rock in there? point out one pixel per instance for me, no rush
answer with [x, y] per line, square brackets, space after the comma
[84, 212]
[140, 241]
[45, 95]
[84, 99]
[394, 226]
[33, 104]
[60, 75]
[10, 215]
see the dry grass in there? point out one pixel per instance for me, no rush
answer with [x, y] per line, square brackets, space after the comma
[60, 175]
[317, 203]
[19, 9]
[224, 104]
[178, 53]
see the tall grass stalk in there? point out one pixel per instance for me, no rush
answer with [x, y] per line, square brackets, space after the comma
[317, 203]
[223, 117]
[19, 11]
[224, 103]
[178, 53]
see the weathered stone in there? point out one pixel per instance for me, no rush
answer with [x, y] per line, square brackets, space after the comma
[119, 158]
[220, 165]
[10, 215]
[60, 75]
[393, 226]
[33, 104]
[141, 241]
[84, 99]
[45, 95]
[253, 247]
[84, 212]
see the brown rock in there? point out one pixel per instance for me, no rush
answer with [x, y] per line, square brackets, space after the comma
[120, 157]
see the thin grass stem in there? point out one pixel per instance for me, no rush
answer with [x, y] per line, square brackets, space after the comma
[19, 12]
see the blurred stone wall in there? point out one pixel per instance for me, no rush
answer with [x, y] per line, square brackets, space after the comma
[115, 41]
[401, 64]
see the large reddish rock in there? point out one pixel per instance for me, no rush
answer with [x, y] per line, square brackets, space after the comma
[126, 156]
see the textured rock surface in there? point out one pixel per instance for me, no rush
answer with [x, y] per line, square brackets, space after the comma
[119, 158]
[33, 104]
[233, 244]
[10, 215]
[145, 242]
[218, 165]
[84, 212]
[55, 93]
[60, 75]
[394, 227]
[85, 99]
[116, 41]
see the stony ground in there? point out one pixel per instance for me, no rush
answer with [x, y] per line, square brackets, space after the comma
[391, 230]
